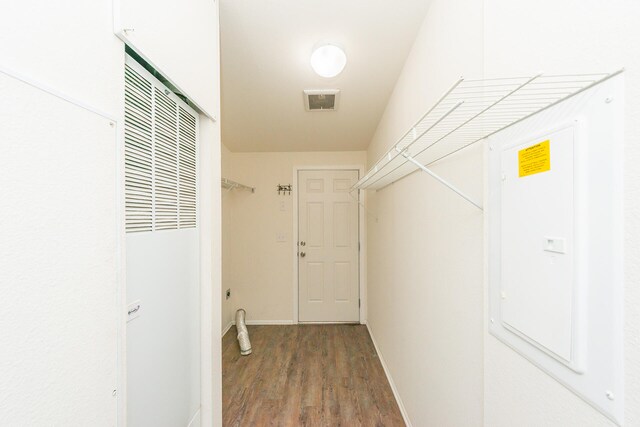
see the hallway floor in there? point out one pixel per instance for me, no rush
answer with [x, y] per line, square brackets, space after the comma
[306, 375]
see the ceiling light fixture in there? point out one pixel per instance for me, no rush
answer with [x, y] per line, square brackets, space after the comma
[328, 60]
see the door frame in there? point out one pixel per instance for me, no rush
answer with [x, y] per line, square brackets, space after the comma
[362, 237]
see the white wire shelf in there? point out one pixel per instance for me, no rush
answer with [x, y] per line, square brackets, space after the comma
[471, 111]
[231, 185]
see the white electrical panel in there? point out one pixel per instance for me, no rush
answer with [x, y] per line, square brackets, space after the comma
[555, 242]
[538, 292]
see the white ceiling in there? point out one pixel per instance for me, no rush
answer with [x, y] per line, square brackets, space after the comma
[266, 46]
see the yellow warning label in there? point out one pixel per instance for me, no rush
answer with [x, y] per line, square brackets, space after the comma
[534, 159]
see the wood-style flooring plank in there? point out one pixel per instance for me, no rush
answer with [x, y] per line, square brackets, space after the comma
[306, 375]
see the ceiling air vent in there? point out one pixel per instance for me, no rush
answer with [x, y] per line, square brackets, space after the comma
[321, 100]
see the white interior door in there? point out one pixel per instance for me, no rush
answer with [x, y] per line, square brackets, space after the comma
[163, 253]
[328, 270]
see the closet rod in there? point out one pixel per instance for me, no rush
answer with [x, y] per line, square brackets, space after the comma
[230, 185]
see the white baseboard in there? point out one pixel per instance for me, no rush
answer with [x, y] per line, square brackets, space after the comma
[286, 322]
[226, 328]
[282, 322]
[330, 323]
[195, 420]
[259, 322]
[403, 411]
[269, 322]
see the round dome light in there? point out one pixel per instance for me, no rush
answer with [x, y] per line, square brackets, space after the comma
[328, 60]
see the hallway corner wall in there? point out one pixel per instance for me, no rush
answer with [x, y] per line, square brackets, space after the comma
[425, 250]
[227, 308]
[257, 268]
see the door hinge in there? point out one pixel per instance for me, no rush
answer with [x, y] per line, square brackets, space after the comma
[358, 302]
[358, 246]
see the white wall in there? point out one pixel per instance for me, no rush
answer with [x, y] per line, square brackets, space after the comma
[566, 37]
[210, 271]
[180, 39]
[258, 269]
[227, 238]
[425, 250]
[58, 275]
[70, 46]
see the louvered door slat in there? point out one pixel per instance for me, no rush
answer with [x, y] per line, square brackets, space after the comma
[160, 156]
[187, 166]
[166, 162]
[138, 153]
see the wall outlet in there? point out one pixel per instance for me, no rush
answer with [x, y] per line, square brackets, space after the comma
[283, 207]
[228, 293]
[281, 236]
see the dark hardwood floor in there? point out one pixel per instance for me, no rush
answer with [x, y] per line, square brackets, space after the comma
[306, 375]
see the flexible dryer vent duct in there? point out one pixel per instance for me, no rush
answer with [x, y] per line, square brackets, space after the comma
[243, 334]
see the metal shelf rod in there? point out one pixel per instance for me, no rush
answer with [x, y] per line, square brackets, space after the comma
[439, 179]
[230, 185]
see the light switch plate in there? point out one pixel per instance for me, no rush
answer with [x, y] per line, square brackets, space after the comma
[554, 244]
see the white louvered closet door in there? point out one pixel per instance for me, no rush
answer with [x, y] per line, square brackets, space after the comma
[163, 341]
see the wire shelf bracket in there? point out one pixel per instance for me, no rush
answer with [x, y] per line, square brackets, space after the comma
[231, 185]
[441, 180]
[470, 111]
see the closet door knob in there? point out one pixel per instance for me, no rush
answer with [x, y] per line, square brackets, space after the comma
[302, 254]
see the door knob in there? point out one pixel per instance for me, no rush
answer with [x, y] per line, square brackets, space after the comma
[302, 254]
[302, 243]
